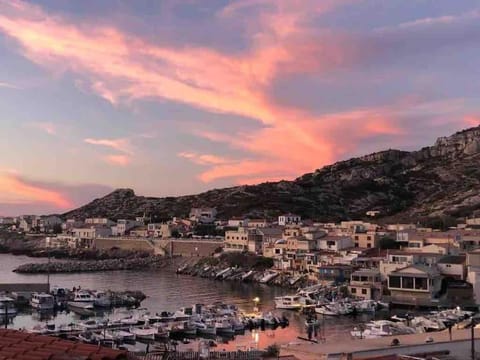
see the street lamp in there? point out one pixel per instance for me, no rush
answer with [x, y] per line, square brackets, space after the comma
[475, 321]
[256, 300]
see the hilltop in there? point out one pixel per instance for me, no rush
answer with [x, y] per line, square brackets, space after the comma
[442, 179]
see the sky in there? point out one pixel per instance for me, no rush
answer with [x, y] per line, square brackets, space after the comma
[173, 97]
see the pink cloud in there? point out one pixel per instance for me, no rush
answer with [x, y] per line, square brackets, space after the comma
[122, 144]
[120, 160]
[123, 67]
[472, 120]
[14, 190]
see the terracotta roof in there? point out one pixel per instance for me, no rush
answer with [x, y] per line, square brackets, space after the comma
[24, 346]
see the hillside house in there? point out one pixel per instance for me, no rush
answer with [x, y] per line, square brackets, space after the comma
[366, 284]
[289, 219]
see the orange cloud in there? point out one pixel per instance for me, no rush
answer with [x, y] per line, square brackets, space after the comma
[472, 120]
[14, 190]
[122, 67]
[121, 160]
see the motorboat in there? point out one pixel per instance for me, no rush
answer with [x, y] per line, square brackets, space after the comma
[365, 306]
[82, 300]
[120, 335]
[144, 332]
[224, 327]
[380, 328]
[224, 273]
[247, 275]
[289, 302]
[42, 302]
[268, 276]
[182, 328]
[90, 325]
[204, 328]
[183, 314]
[7, 307]
[334, 309]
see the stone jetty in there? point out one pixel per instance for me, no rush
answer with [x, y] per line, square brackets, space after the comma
[76, 266]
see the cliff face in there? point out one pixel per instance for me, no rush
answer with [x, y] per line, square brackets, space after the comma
[443, 179]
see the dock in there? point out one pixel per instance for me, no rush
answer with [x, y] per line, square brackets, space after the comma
[414, 344]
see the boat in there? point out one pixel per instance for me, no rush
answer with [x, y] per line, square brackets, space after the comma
[223, 273]
[334, 309]
[381, 328]
[183, 314]
[144, 332]
[82, 300]
[90, 325]
[183, 328]
[119, 335]
[42, 302]
[365, 306]
[295, 279]
[247, 275]
[7, 307]
[268, 276]
[289, 302]
[224, 327]
[204, 328]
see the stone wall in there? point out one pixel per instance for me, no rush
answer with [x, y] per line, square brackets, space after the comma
[193, 247]
[124, 244]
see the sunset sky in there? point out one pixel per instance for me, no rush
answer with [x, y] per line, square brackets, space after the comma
[181, 96]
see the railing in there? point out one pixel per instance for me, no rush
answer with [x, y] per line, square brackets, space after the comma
[195, 355]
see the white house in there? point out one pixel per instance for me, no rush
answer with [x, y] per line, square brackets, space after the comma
[203, 215]
[335, 243]
[123, 226]
[237, 222]
[289, 219]
[452, 266]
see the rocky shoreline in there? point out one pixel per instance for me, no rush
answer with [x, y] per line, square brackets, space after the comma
[79, 266]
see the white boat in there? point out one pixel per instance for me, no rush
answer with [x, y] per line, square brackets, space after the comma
[268, 276]
[7, 307]
[90, 325]
[82, 300]
[204, 328]
[381, 328]
[42, 302]
[144, 332]
[184, 313]
[224, 327]
[130, 320]
[225, 272]
[334, 309]
[289, 302]
[121, 335]
[362, 306]
[247, 275]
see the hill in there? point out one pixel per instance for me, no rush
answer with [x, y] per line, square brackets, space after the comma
[440, 180]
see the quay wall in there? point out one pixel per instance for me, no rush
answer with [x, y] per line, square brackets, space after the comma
[191, 247]
[124, 244]
[19, 287]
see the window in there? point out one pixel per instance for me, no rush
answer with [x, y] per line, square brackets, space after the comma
[356, 244]
[364, 291]
[421, 283]
[369, 238]
[330, 243]
[394, 281]
[354, 290]
[407, 282]
[356, 237]
[448, 265]
[369, 245]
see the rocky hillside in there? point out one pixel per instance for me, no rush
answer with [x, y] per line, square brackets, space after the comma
[443, 179]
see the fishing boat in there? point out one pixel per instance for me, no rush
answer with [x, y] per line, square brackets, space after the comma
[381, 328]
[183, 328]
[334, 309]
[204, 328]
[223, 273]
[90, 325]
[119, 335]
[42, 302]
[289, 302]
[247, 275]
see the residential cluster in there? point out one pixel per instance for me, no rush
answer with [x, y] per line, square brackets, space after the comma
[401, 263]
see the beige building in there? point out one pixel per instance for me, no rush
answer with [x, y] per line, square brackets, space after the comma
[243, 239]
[366, 284]
[366, 240]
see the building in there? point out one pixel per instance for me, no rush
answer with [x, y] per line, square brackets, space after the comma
[338, 273]
[289, 219]
[415, 285]
[238, 222]
[123, 226]
[258, 223]
[243, 239]
[335, 243]
[92, 232]
[473, 272]
[68, 241]
[453, 266]
[160, 230]
[203, 215]
[270, 234]
[366, 284]
[99, 221]
[366, 240]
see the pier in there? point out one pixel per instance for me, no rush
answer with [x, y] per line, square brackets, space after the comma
[415, 344]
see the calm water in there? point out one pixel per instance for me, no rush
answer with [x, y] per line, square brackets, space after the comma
[168, 291]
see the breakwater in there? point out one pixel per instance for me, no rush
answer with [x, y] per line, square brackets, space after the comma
[77, 266]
